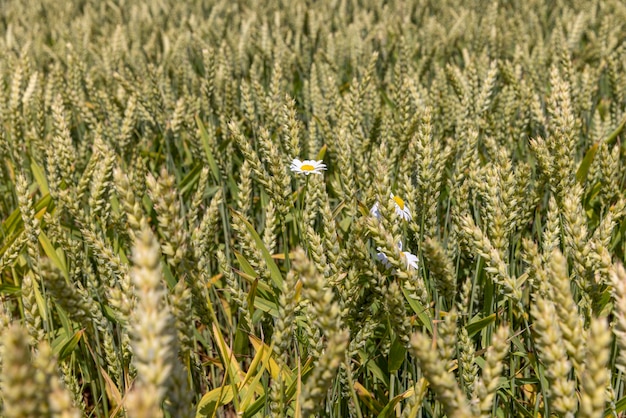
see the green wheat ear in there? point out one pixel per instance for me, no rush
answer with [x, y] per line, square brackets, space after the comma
[159, 252]
[160, 375]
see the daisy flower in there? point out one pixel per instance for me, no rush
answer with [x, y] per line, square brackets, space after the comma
[402, 210]
[411, 259]
[307, 167]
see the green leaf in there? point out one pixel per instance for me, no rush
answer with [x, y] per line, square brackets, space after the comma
[620, 235]
[252, 296]
[41, 303]
[368, 399]
[289, 393]
[14, 223]
[240, 344]
[168, 275]
[204, 138]
[396, 355]
[583, 168]
[345, 223]
[423, 314]
[66, 346]
[610, 140]
[9, 289]
[388, 410]
[375, 368]
[245, 265]
[252, 278]
[40, 177]
[249, 274]
[520, 407]
[207, 407]
[477, 324]
[322, 153]
[190, 179]
[52, 254]
[230, 364]
[266, 306]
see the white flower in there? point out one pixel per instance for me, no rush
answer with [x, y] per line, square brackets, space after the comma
[380, 255]
[402, 210]
[307, 167]
[411, 259]
[375, 212]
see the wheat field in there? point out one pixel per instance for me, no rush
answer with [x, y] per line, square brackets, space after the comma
[334, 208]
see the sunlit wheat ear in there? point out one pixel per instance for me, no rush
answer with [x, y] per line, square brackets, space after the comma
[326, 316]
[281, 182]
[441, 381]
[576, 233]
[32, 314]
[154, 340]
[284, 338]
[537, 273]
[600, 258]
[398, 317]
[59, 399]
[205, 236]
[291, 127]
[618, 290]
[30, 282]
[596, 375]
[552, 232]
[171, 223]
[236, 290]
[554, 356]
[468, 367]
[180, 302]
[130, 202]
[271, 228]
[570, 321]
[497, 127]
[101, 184]
[245, 190]
[488, 384]
[261, 175]
[496, 266]
[24, 387]
[441, 266]
[446, 340]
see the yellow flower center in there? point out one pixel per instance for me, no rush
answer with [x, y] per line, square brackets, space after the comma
[307, 167]
[399, 202]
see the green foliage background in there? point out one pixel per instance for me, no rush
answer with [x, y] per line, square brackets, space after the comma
[159, 258]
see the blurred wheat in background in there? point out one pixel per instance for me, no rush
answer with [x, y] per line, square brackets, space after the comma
[339, 208]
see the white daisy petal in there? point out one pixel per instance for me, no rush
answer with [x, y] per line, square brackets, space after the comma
[411, 260]
[382, 258]
[295, 164]
[375, 211]
[307, 167]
